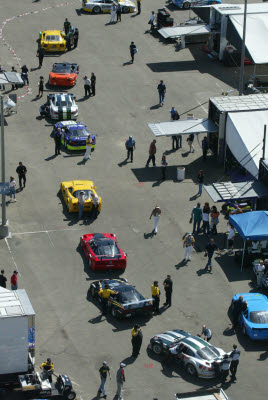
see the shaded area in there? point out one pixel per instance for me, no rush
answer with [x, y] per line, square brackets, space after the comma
[232, 269]
[173, 66]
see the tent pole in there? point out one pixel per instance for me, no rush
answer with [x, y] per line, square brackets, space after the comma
[243, 255]
[264, 142]
[241, 78]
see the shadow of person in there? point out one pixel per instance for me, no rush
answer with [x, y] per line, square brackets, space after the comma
[263, 356]
[203, 271]
[127, 63]
[135, 15]
[157, 183]
[82, 162]
[181, 264]
[155, 107]
[51, 157]
[192, 198]
[229, 332]
[149, 235]
[168, 152]
[129, 360]
[186, 154]
[122, 163]
[96, 320]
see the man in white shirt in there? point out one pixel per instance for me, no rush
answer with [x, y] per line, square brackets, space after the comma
[113, 13]
[81, 203]
[95, 204]
[87, 154]
[231, 236]
[87, 84]
[151, 21]
[206, 332]
[259, 270]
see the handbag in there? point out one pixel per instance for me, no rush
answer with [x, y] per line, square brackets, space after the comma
[135, 51]
[191, 220]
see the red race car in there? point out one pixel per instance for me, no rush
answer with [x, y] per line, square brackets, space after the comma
[63, 74]
[102, 251]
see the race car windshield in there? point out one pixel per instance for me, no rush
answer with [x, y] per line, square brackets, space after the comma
[259, 317]
[129, 295]
[53, 38]
[87, 193]
[61, 68]
[208, 353]
[79, 132]
[66, 102]
[106, 248]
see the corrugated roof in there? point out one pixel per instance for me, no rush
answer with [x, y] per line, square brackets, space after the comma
[14, 302]
[241, 103]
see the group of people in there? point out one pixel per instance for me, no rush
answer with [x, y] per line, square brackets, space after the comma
[13, 280]
[209, 216]
[104, 371]
[94, 201]
[90, 85]
[168, 287]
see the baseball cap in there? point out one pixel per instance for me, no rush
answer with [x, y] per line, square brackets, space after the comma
[104, 363]
[122, 365]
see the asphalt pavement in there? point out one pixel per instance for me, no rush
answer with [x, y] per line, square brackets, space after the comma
[44, 242]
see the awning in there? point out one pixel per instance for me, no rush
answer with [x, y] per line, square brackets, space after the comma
[256, 32]
[183, 127]
[252, 225]
[12, 78]
[187, 30]
[244, 136]
[223, 191]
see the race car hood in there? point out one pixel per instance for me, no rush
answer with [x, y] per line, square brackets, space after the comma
[170, 337]
[136, 304]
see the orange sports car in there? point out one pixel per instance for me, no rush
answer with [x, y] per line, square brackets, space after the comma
[64, 74]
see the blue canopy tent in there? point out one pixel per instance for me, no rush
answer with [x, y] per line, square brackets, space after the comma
[250, 226]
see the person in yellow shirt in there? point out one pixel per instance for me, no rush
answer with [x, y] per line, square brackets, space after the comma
[105, 294]
[156, 296]
[136, 340]
[139, 6]
[47, 367]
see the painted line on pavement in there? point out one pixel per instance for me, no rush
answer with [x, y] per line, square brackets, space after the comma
[11, 255]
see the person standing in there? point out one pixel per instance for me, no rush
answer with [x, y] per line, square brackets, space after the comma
[205, 148]
[234, 356]
[24, 74]
[133, 50]
[104, 370]
[259, 270]
[225, 367]
[174, 115]
[214, 220]
[206, 332]
[139, 6]
[14, 86]
[76, 37]
[87, 154]
[41, 53]
[57, 140]
[151, 21]
[120, 379]
[93, 83]
[175, 142]
[87, 84]
[67, 26]
[3, 279]
[81, 203]
[205, 217]
[113, 12]
[68, 41]
[152, 152]
[168, 286]
[95, 204]
[130, 146]
[14, 280]
[41, 86]
[200, 180]
[156, 214]
[230, 238]
[164, 165]
[156, 297]
[162, 92]
[238, 306]
[196, 216]
[190, 141]
[12, 188]
[105, 294]
[21, 171]
[1, 71]
[136, 340]
[210, 248]
[118, 12]
[188, 243]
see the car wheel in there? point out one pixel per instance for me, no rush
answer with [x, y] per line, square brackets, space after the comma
[114, 312]
[96, 10]
[214, 2]
[126, 10]
[186, 5]
[157, 348]
[68, 207]
[191, 370]
[71, 395]
[244, 330]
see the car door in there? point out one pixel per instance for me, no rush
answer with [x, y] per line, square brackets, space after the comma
[244, 317]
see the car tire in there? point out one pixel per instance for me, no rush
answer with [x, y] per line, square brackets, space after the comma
[114, 312]
[96, 10]
[71, 395]
[214, 2]
[92, 291]
[89, 261]
[191, 370]
[186, 5]
[125, 10]
[157, 348]
[244, 331]
[68, 207]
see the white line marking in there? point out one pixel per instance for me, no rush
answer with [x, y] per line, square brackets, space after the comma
[48, 231]
[50, 240]
[206, 111]
[11, 255]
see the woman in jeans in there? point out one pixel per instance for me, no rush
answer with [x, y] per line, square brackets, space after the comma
[164, 165]
[205, 216]
[12, 188]
[214, 219]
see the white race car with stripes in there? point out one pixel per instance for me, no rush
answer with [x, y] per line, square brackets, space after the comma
[197, 355]
[62, 106]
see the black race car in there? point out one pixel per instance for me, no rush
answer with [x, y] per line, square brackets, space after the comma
[127, 303]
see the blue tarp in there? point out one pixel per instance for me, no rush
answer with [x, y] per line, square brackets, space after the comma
[252, 225]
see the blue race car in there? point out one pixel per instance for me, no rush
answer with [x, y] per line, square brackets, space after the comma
[186, 4]
[254, 318]
[74, 134]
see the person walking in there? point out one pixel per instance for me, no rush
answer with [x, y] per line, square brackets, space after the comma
[113, 12]
[57, 140]
[133, 50]
[93, 83]
[3, 279]
[104, 370]
[156, 297]
[190, 141]
[151, 21]
[162, 92]
[120, 379]
[206, 332]
[130, 146]
[168, 286]
[118, 12]
[87, 84]
[81, 203]
[139, 6]
[67, 26]
[40, 54]
[21, 171]
[174, 115]
[214, 220]
[41, 86]
[200, 180]
[87, 154]
[164, 165]
[210, 248]
[14, 280]
[156, 214]
[204, 148]
[205, 218]
[12, 188]
[230, 238]
[76, 37]
[24, 74]
[188, 244]
[234, 356]
[152, 152]
[196, 216]
[136, 340]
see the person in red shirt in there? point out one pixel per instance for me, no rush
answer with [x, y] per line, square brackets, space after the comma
[152, 151]
[14, 281]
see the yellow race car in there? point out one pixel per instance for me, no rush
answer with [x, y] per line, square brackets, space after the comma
[104, 6]
[53, 41]
[70, 191]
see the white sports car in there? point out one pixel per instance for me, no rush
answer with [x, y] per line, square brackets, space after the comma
[198, 356]
[98, 6]
[60, 106]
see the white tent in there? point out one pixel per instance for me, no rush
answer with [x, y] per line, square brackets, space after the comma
[244, 136]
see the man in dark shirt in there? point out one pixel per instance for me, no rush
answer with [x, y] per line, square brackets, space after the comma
[168, 286]
[41, 52]
[132, 49]
[57, 140]
[238, 306]
[21, 171]
[210, 248]
[162, 92]
[205, 148]
[93, 83]
[76, 37]
[104, 369]
[3, 279]
[67, 26]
